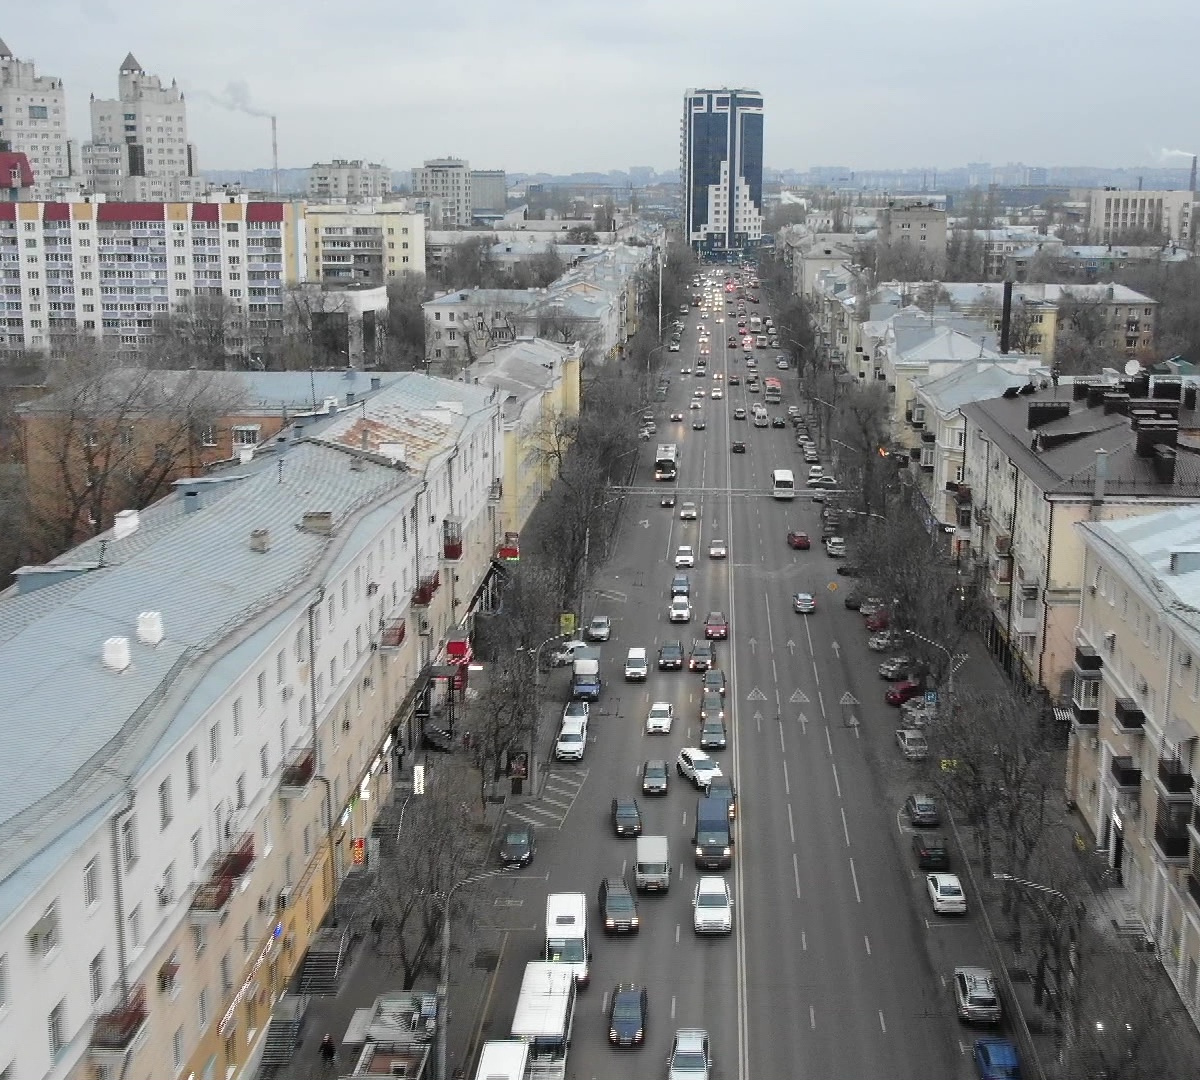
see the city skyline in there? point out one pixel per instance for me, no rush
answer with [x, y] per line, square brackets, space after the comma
[931, 95]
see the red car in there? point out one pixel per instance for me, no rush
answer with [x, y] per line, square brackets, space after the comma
[878, 621]
[716, 628]
[799, 541]
[898, 693]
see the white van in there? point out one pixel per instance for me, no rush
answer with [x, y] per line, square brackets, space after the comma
[652, 864]
[567, 934]
[636, 666]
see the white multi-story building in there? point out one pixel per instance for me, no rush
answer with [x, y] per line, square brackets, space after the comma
[139, 150]
[33, 120]
[348, 180]
[204, 708]
[113, 268]
[448, 180]
[1113, 214]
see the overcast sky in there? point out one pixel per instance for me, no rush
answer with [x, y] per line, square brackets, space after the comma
[568, 85]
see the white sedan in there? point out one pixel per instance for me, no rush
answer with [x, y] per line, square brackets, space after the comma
[681, 609]
[946, 894]
[658, 722]
[716, 393]
[697, 766]
[685, 556]
[712, 906]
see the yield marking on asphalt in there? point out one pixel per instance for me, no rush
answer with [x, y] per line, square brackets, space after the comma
[799, 698]
[848, 699]
[756, 695]
[611, 594]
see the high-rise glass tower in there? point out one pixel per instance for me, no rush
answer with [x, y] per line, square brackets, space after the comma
[721, 163]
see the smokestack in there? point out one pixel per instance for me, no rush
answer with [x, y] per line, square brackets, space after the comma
[1192, 178]
[275, 155]
[1006, 318]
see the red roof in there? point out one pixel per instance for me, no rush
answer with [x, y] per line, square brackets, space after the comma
[8, 211]
[264, 211]
[14, 165]
[130, 211]
[56, 211]
[206, 212]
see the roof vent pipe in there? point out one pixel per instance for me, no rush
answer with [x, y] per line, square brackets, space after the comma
[125, 523]
[150, 627]
[116, 653]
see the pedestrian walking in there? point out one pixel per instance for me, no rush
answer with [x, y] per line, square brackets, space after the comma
[328, 1051]
[376, 930]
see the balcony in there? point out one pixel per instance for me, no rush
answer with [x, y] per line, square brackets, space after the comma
[452, 539]
[1174, 782]
[426, 589]
[496, 491]
[118, 1031]
[1171, 839]
[298, 773]
[1127, 717]
[211, 898]
[1126, 776]
[1002, 544]
[1084, 715]
[393, 634]
[509, 549]
[1087, 659]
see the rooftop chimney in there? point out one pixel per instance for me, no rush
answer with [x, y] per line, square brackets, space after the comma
[125, 524]
[260, 541]
[1006, 318]
[150, 627]
[318, 521]
[116, 653]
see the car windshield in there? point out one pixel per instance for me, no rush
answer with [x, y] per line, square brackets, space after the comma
[628, 812]
[654, 773]
[566, 950]
[688, 1060]
[570, 736]
[518, 836]
[711, 900]
[619, 901]
[950, 890]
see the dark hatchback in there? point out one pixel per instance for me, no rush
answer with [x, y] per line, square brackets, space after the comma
[670, 656]
[627, 1016]
[656, 777]
[618, 908]
[626, 817]
[517, 845]
[932, 851]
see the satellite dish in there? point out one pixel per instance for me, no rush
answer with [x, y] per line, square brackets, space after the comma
[1133, 368]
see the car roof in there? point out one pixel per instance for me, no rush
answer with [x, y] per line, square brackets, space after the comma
[655, 763]
[690, 1038]
[712, 883]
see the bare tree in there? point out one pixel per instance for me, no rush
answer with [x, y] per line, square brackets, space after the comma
[201, 332]
[861, 423]
[1083, 340]
[405, 346]
[109, 435]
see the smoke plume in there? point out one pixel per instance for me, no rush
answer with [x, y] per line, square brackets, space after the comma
[235, 97]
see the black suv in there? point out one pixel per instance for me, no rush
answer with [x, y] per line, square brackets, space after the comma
[670, 656]
[618, 907]
[701, 658]
[626, 817]
[932, 851]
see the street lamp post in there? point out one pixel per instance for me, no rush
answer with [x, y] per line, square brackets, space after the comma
[443, 989]
[954, 661]
[536, 724]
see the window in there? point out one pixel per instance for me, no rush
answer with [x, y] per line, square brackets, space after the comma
[226, 975]
[241, 792]
[261, 689]
[279, 667]
[91, 885]
[96, 976]
[202, 1009]
[129, 848]
[135, 927]
[214, 743]
[177, 1050]
[245, 435]
[164, 803]
[56, 1029]
[197, 850]
[193, 778]
[264, 761]
[246, 937]
[237, 718]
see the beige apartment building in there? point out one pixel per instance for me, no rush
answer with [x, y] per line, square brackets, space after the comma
[370, 243]
[1112, 213]
[1133, 757]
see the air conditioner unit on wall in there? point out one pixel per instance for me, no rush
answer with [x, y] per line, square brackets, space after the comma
[1185, 659]
[424, 626]
[1110, 641]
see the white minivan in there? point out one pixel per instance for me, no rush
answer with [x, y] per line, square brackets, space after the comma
[636, 666]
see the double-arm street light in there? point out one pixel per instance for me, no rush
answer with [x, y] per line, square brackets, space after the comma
[954, 661]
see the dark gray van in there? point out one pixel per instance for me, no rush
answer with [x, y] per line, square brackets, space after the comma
[712, 836]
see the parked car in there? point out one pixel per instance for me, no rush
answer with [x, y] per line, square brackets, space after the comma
[517, 844]
[912, 744]
[835, 547]
[599, 629]
[900, 692]
[884, 641]
[922, 810]
[976, 999]
[946, 894]
[896, 667]
[932, 851]
[880, 620]
[798, 540]
[997, 1059]
[872, 605]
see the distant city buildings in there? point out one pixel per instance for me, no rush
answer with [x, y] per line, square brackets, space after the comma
[721, 169]
[489, 191]
[1114, 213]
[449, 181]
[348, 181]
[33, 120]
[139, 150]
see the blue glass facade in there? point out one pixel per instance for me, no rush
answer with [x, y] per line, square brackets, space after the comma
[721, 166]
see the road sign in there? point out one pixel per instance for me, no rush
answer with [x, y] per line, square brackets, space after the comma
[832, 586]
[930, 697]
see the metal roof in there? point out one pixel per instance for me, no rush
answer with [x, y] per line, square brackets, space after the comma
[73, 728]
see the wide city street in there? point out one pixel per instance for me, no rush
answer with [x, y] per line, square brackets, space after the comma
[837, 968]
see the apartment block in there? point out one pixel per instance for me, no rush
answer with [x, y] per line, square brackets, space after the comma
[364, 243]
[489, 191]
[348, 181]
[251, 652]
[139, 150]
[1113, 213]
[914, 229]
[112, 268]
[1040, 462]
[33, 120]
[448, 180]
[1135, 709]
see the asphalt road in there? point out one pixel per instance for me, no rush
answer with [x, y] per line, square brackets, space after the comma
[836, 967]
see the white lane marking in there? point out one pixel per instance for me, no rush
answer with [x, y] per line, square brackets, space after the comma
[672, 1006]
[812, 1017]
[836, 782]
[796, 873]
[758, 721]
[604, 1003]
[882, 1024]
[821, 702]
[803, 941]
[854, 874]
[816, 676]
[624, 866]
[791, 825]
[845, 827]
[782, 748]
[787, 786]
[828, 741]
[867, 941]
[677, 933]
